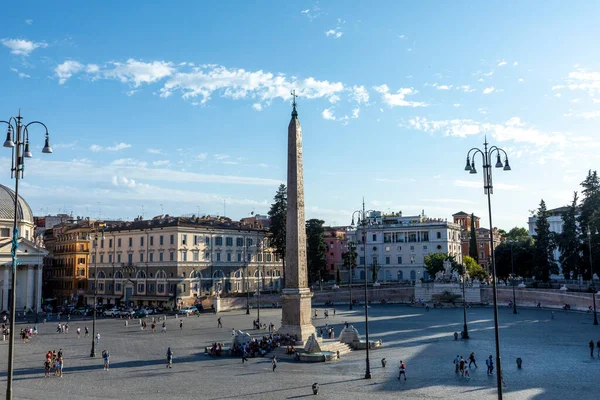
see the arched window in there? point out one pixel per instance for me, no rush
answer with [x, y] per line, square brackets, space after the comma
[239, 274]
[101, 275]
[118, 275]
[258, 274]
[218, 274]
[141, 275]
[161, 275]
[195, 274]
[400, 277]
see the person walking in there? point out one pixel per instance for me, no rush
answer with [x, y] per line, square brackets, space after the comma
[169, 358]
[87, 331]
[219, 323]
[598, 347]
[490, 365]
[47, 365]
[164, 327]
[78, 332]
[98, 338]
[181, 324]
[274, 363]
[106, 357]
[61, 364]
[592, 348]
[467, 373]
[456, 363]
[244, 355]
[461, 365]
[472, 360]
[402, 370]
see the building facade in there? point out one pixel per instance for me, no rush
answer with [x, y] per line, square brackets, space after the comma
[66, 264]
[397, 245]
[171, 261]
[29, 255]
[555, 219]
[335, 239]
[482, 236]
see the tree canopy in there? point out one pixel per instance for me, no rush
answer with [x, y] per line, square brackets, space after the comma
[278, 216]
[474, 269]
[316, 250]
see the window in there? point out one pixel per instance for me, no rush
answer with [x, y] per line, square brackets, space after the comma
[5, 232]
[481, 255]
[206, 255]
[481, 245]
[249, 257]
[110, 243]
[412, 237]
[362, 260]
[268, 256]
[399, 260]
[195, 240]
[248, 242]
[151, 287]
[183, 240]
[374, 237]
[130, 242]
[110, 259]
[101, 243]
[184, 256]
[119, 242]
[161, 240]
[141, 257]
[160, 288]
[207, 241]
[196, 256]
[239, 257]
[140, 288]
[228, 257]
[142, 241]
[239, 242]
[424, 236]
[399, 248]
[101, 286]
[151, 257]
[171, 256]
[161, 256]
[412, 248]
[259, 257]
[387, 260]
[118, 258]
[101, 258]
[438, 235]
[172, 287]
[117, 287]
[424, 247]
[172, 239]
[130, 258]
[219, 241]
[228, 241]
[151, 239]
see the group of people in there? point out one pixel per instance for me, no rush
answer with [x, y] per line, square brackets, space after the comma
[591, 344]
[54, 361]
[327, 330]
[463, 366]
[27, 333]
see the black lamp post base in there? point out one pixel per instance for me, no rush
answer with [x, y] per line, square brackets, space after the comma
[93, 353]
[247, 311]
[368, 375]
[515, 310]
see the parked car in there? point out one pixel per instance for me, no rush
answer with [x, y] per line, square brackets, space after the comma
[113, 312]
[140, 313]
[128, 312]
[187, 311]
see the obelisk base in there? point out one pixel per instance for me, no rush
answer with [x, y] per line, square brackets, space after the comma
[296, 313]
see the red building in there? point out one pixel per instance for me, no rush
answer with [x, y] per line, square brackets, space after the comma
[482, 234]
[335, 239]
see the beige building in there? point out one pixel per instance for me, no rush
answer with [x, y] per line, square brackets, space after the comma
[173, 260]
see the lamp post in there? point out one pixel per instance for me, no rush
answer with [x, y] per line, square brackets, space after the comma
[589, 234]
[465, 328]
[512, 266]
[350, 261]
[486, 156]
[17, 139]
[363, 222]
[93, 351]
[246, 277]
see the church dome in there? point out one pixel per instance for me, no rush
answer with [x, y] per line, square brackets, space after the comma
[7, 206]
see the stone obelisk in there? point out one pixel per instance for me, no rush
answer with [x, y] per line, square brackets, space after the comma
[296, 297]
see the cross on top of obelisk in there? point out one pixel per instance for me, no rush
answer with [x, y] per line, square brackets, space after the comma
[294, 112]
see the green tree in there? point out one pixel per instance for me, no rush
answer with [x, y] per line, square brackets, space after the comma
[474, 269]
[316, 250]
[278, 216]
[473, 240]
[517, 233]
[569, 242]
[522, 258]
[544, 246]
[434, 263]
[589, 220]
[349, 259]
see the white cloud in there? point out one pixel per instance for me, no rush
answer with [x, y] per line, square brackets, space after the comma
[333, 33]
[21, 74]
[585, 115]
[29, 21]
[221, 157]
[488, 90]
[201, 156]
[515, 63]
[22, 47]
[311, 13]
[129, 162]
[359, 94]
[454, 127]
[466, 88]
[478, 184]
[257, 106]
[161, 163]
[138, 72]
[502, 63]
[328, 114]
[489, 73]
[334, 99]
[456, 105]
[558, 95]
[521, 80]
[92, 69]
[154, 151]
[574, 100]
[582, 79]
[355, 112]
[444, 87]
[67, 69]
[402, 37]
[120, 146]
[397, 99]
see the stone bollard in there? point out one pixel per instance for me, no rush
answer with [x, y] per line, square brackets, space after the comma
[455, 335]
[126, 322]
[315, 388]
[383, 362]
[519, 362]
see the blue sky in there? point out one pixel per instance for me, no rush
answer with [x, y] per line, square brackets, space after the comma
[182, 106]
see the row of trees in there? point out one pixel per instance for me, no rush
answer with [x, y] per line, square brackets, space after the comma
[316, 248]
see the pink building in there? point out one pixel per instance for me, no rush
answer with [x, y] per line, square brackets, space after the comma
[335, 239]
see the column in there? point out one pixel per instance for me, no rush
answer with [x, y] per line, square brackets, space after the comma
[29, 287]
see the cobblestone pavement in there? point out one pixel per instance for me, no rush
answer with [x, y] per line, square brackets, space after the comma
[555, 353]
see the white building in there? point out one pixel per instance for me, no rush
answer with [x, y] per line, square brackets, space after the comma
[398, 245]
[30, 257]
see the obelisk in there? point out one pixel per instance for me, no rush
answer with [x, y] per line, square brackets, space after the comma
[296, 297]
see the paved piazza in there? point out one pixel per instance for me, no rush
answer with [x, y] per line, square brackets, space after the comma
[556, 360]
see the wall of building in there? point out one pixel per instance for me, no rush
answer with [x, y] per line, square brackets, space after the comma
[547, 298]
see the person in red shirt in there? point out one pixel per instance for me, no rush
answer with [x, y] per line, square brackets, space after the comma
[402, 370]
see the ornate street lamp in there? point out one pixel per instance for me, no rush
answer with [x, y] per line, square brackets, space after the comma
[350, 261]
[465, 334]
[589, 235]
[17, 139]
[362, 220]
[487, 155]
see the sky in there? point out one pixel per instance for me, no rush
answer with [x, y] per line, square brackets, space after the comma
[182, 107]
